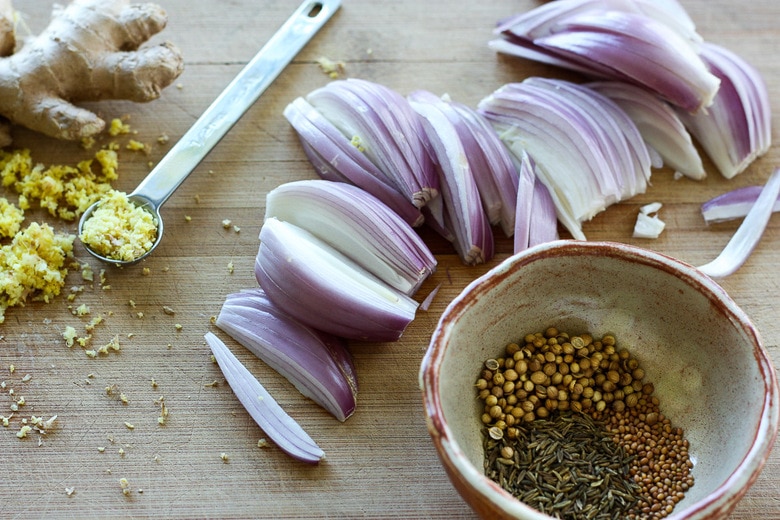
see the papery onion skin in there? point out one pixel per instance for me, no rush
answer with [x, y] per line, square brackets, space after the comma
[336, 158]
[282, 429]
[359, 225]
[324, 289]
[733, 205]
[317, 364]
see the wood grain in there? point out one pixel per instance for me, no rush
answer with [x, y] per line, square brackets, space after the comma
[380, 463]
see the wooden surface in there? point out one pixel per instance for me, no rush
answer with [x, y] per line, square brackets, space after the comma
[380, 463]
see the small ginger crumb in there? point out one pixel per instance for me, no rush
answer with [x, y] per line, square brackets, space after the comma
[263, 443]
[140, 315]
[69, 335]
[129, 426]
[230, 267]
[137, 146]
[23, 431]
[11, 368]
[26, 378]
[125, 485]
[163, 139]
[224, 457]
[82, 310]
[117, 127]
[226, 223]
[333, 69]
[146, 271]
[168, 310]
[187, 218]
[69, 491]
[101, 449]
[178, 326]
[197, 199]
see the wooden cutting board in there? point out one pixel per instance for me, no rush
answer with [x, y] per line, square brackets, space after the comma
[205, 461]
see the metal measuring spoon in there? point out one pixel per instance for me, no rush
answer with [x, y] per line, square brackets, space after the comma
[220, 117]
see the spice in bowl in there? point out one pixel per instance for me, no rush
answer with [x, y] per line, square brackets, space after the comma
[572, 429]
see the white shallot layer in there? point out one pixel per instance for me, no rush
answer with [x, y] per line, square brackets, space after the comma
[358, 225]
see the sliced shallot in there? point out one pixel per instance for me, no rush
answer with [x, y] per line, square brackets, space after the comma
[737, 128]
[322, 288]
[359, 225]
[380, 122]
[316, 363]
[282, 429]
[628, 41]
[747, 236]
[464, 214]
[733, 204]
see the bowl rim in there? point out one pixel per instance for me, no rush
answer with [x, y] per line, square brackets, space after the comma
[721, 500]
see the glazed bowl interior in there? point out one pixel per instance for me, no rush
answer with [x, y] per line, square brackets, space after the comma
[705, 358]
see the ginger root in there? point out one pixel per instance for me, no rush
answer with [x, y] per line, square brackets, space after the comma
[90, 51]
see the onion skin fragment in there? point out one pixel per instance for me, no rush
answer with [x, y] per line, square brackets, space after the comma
[317, 364]
[282, 429]
[359, 225]
[324, 289]
[621, 41]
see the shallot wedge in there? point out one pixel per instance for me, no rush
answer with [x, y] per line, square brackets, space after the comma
[536, 221]
[464, 214]
[747, 236]
[359, 225]
[587, 152]
[336, 158]
[317, 364]
[380, 122]
[490, 161]
[658, 123]
[322, 288]
[282, 429]
[737, 128]
[627, 41]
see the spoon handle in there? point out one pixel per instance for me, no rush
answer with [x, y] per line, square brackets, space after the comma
[236, 99]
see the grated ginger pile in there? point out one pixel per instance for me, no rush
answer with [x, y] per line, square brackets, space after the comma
[33, 266]
[64, 191]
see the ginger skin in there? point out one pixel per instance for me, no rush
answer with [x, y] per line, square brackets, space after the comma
[91, 51]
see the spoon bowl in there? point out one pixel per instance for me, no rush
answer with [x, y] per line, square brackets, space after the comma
[220, 117]
[140, 202]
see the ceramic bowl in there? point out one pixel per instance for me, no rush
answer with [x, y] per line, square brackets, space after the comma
[711, 373]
